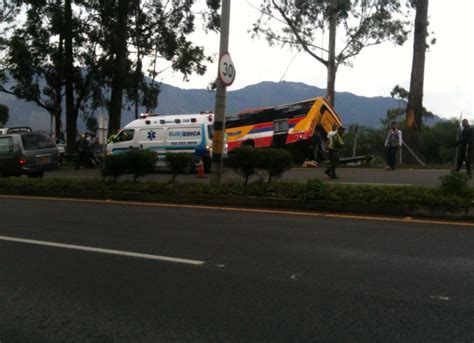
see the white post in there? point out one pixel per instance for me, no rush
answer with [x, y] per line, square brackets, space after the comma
[103, 129]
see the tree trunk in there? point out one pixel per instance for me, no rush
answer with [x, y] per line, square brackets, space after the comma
[415, 99]
[58, 86]
[136, 81]
[331, 66]
[120, 66]
[71, 118]
[57, 108]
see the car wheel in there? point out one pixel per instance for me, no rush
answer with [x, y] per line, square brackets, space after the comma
[190, 168]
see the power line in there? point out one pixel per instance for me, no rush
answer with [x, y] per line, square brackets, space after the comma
[288, 66]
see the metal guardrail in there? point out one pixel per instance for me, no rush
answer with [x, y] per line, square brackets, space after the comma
[362, 158]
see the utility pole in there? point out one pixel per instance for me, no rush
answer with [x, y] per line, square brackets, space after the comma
[225, 70]
[354, 148]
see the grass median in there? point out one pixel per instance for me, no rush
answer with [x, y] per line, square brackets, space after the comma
[312, 195]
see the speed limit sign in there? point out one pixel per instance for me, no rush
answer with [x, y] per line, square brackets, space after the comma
[226, 69]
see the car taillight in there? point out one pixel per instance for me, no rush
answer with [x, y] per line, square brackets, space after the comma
[22, 162]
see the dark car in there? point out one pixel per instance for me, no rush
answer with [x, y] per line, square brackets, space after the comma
[28, 153]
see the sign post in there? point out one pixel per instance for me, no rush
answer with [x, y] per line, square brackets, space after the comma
[226, 75]
[226, 69]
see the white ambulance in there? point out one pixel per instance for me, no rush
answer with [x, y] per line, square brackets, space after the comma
[179, 133]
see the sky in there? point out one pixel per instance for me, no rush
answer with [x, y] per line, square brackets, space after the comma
[448, 88]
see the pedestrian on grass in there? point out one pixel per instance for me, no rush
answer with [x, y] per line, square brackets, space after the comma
[465, 152]
[393, 142]
[335, 147]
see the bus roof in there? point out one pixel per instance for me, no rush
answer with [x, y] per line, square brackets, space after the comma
[277, 107]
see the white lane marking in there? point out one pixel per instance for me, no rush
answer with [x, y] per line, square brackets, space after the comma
[102, 251]
[439, 297]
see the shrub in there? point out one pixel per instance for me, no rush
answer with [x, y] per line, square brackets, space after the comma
[180, 163]
[314, 189]
[455, 184]
[114, 166]
[275, 161]
[244, 161]
[136, 162]
[140, 162]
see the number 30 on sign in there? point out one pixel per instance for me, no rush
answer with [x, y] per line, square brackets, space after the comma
[226, 69]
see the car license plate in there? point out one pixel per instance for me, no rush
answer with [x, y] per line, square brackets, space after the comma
[43, 159]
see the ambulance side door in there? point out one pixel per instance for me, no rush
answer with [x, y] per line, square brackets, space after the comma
[153, 139]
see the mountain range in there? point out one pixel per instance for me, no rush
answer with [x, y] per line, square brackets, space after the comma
[367, 111]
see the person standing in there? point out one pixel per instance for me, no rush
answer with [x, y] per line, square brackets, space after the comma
[393, 142]
[467, 148]
[313, 150]
[82, 152]
[335, 147]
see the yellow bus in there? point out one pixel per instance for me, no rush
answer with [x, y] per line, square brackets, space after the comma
[281, 125]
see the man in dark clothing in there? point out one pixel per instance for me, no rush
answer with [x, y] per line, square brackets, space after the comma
[314, 148]
[466, 147]
[82, 152]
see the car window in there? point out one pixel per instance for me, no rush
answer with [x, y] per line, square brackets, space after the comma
[6, 146]
[37, 141]
[125, 135]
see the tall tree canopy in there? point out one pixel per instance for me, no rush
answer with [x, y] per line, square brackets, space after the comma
[133, 31]
[88, 54]
[33, 58]
[357, 24]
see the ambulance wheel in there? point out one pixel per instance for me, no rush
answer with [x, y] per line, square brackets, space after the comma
[190, 168]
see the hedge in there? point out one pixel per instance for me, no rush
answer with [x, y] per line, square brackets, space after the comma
[311, 190]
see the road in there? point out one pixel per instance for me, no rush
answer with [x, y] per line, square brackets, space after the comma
[416, 177]
[91, 271]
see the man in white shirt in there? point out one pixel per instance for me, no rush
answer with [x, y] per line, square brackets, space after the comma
[392, 143]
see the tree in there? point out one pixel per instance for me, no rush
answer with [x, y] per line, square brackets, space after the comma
[400, 94]
[415, 100]
[8, 13]
[363, 23]
[83, 52]
[4, 114]
[438, 142]
[133, 30]
[33, 59]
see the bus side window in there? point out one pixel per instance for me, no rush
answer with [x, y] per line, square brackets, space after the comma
[280, 126]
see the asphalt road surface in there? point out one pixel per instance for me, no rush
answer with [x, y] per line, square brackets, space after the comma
[418, 177]
[79, 271]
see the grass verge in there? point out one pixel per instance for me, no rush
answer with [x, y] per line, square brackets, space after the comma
[310, 195]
